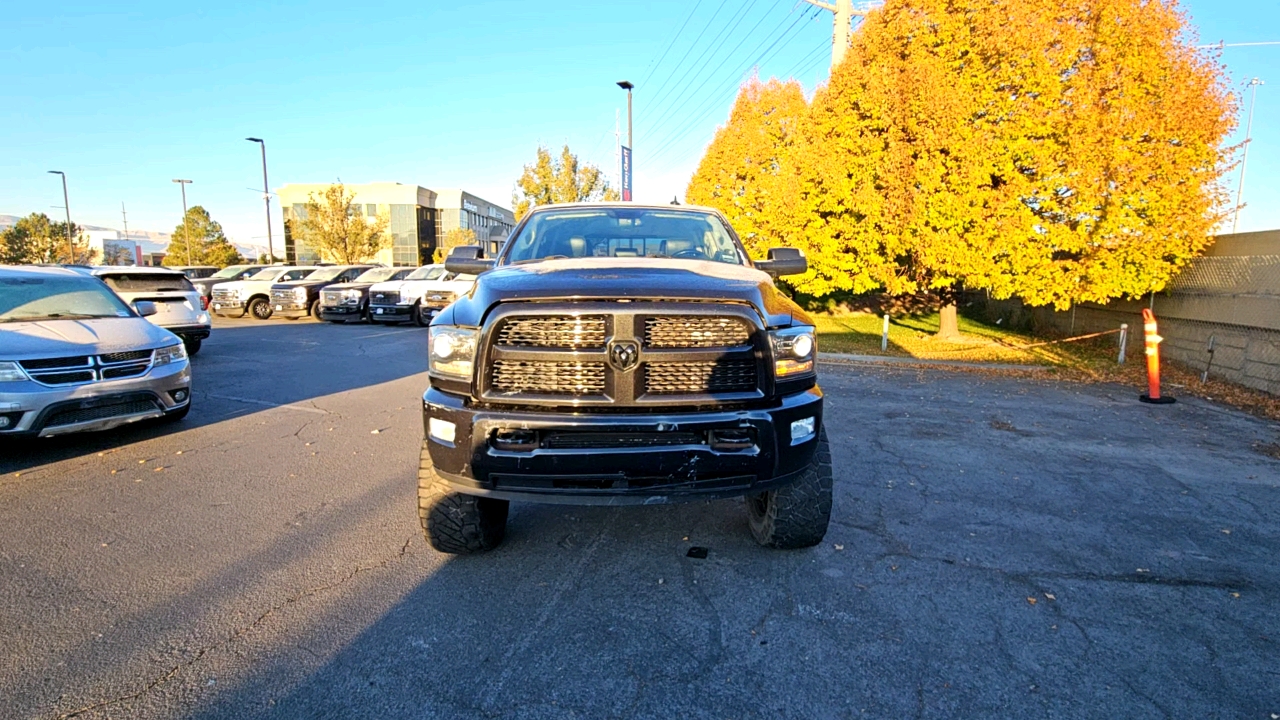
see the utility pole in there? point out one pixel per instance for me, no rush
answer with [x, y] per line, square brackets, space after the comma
[628, 154]
[124, 217]
[66, 205]
[844, 15]
[617, 148]
[1248, 134]
[186, 226]
[266, 196]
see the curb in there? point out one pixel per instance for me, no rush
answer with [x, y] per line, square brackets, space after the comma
[842, 359]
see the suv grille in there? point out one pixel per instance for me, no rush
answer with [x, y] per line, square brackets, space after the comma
[717, 376]
[86, 369]
[552, 378]
[553, 332]
[695, 332]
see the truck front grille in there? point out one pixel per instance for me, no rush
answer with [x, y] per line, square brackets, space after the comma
[221, 295]
[553, 332]
[550, 378]
[684, 378]
[384, 298]
[695, 332]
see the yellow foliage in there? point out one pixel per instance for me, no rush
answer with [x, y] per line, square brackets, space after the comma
[1058, 153]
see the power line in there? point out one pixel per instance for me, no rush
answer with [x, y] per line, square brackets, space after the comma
[658, 94]
[734, 80]
[1248, 44]
[712, 103]
[699, 65]
[653, 67]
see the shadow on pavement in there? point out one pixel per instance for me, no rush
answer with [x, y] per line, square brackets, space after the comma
[243, 369]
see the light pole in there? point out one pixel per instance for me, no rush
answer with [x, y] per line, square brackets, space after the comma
[266, 196]
[186, 226]
[66, 205]
[1254, 83]
[628, 157]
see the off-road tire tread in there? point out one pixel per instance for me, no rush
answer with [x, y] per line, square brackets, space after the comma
[796, 515]
[453, 522]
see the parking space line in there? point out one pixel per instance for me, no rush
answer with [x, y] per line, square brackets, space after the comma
[380, 334]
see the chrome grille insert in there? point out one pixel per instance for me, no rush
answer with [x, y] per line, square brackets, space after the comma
[553, 332]
[551, 378]
[684, 378]
[695, 332]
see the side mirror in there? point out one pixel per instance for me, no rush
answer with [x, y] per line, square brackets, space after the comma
[145, 308]
[784, 261]
[467, 260]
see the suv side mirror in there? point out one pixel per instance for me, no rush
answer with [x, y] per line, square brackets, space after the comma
[784, 261]
[145, 308]
[467, 260]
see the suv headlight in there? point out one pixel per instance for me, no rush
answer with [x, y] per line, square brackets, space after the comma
[11, 372]
[451, 351]
[171, 354]
[794, 350]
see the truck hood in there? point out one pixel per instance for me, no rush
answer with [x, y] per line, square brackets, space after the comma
[629, 278]
[63, 338]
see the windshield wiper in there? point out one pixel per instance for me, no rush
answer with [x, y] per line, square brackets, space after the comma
[53, 316]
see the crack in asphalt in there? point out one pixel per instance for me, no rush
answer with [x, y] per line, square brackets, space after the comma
[235, 635]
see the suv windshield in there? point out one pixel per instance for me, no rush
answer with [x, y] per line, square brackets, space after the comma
[58, 298]
[148, 282]
[378, 275]
[623, 232]
[430, 272]
[229, 272]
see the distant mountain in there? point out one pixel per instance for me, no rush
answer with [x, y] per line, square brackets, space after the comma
[150, 240]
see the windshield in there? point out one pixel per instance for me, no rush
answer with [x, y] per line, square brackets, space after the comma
[58, 298]
[229, 272]
[148, 282]
[326, 274]
[623, 232]
[429, 272]
[268, 274]
[378, 275]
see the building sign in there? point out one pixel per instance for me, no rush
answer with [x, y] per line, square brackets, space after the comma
[496, 213]
[626, 173]
[468, 205]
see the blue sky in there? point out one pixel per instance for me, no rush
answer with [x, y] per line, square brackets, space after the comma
[441, 95]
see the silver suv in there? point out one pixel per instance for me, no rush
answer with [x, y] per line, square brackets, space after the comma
[179, 307]
[74, 357]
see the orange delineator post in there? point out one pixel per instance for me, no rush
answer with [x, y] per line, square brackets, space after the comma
[1152, 341]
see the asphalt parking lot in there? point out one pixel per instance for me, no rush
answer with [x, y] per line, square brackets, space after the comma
[1000, 547]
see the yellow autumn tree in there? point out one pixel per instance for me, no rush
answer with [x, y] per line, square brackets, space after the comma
[746, 172]
[1057, 153]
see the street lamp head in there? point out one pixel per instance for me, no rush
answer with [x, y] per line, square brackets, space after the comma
[56, 172]
[184, 182]
[257, 140]
[625, 85]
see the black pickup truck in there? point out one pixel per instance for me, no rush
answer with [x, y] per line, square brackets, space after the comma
[298, 298]
[622, 354]
[349, 301]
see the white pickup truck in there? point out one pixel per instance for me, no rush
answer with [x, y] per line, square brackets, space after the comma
[253, 295]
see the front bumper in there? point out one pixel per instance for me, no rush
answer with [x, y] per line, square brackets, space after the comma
[37, 409]
[226, 307]
[390, 313]
[340, 312]
[654, 458]
[291, 308]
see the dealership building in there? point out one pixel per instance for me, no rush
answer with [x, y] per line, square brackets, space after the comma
[418, 219]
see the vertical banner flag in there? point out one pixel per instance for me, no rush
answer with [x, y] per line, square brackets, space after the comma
[626, 173]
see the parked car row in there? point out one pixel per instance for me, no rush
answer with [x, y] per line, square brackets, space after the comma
[341, 293]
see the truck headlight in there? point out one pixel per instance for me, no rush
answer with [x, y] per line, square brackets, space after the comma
[451, 351]
[299, 293]
[793, 351]
[407, 298]
[171, 354]
[11, 372]
[351, 295]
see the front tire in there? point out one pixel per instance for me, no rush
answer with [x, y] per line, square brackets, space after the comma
[260, 309]
[453, 522]
[315, 311]
[795, 515]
